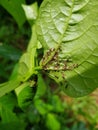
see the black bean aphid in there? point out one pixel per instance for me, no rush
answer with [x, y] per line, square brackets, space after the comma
[66, 86]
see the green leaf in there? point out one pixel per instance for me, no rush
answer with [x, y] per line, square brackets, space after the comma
[24, 94]
[8, 86]
[68, 32]
[52, 123]
[42, 107]
[57, 104]
[41, 88]
[9, 119]
[7, 115]
[26, 65]
[31, 12]
[14, 7]
[8, 101]
[27, 61]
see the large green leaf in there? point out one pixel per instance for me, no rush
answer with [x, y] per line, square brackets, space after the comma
[68, 31]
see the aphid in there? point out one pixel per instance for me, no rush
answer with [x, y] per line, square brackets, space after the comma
[56, 68]
[61, 83]
[71, 67]
[52, 49]
[45, 67]
[66, 86]
[63, 75]
[59, 49]
[43, 59]
[75, 65]
[65, 67]
[48, 53]
[56, 77]
[55, 57]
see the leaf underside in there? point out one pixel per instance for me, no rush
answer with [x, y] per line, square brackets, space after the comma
[68, 32]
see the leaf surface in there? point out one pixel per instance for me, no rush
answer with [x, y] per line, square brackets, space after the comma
[69, 31]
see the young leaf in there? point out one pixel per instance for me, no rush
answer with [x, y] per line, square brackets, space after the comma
[31, 12]
[70, 29]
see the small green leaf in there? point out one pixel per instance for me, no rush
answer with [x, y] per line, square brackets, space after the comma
[42, 107]
[31, 12]
[52, 123]
[24, 94]
[57, 104]
[41, 87]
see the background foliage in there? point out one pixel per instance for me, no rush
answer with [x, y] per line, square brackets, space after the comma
[34, 104]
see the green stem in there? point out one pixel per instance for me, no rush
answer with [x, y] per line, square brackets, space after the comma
[38, 68]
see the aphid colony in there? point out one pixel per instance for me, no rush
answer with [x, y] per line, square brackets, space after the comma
[51, 61]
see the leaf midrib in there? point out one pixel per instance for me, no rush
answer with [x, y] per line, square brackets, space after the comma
[61, 37]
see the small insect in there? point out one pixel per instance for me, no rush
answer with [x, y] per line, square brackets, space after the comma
[56, 77]
[63, 75]
[66, 86]
[72, 67]
[46, 56]
[56, 68]
[52, 49]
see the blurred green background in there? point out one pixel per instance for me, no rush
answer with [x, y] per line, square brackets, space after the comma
[55, 110]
